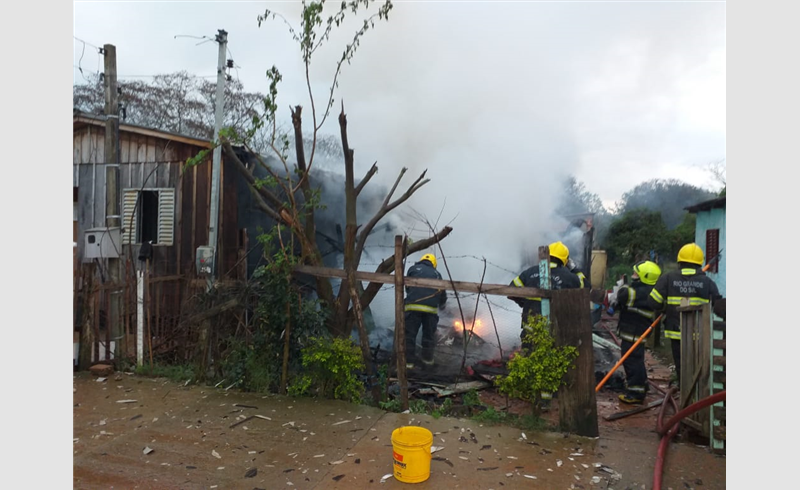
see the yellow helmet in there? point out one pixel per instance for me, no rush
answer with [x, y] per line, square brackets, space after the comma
[559, 251]
[430, 257]
[691, 253]
[648, 272]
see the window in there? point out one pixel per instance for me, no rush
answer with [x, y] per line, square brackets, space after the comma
[712, 248]
[148, 215]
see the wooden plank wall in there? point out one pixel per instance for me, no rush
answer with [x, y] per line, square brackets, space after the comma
[151, 162]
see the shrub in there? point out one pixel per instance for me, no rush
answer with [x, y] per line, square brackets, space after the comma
[331, 367]
[541, 368]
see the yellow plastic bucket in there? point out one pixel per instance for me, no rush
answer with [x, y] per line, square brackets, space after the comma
[411, 448]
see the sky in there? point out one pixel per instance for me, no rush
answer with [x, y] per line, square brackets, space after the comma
[499, 101]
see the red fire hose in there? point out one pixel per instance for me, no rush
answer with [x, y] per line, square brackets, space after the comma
[668, 430]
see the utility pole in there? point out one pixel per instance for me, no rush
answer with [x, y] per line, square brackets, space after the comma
[113, 218]
[216, 164]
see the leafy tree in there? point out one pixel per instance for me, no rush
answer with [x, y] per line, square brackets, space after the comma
[576, 199]
[668, 197]
[682, 234]
[632, 236]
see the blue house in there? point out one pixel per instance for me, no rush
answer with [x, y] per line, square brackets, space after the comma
[710, 236]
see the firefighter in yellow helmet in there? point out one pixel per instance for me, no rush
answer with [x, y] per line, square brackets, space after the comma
[687, 282]
[422, 310]
[635, 316]
[560, 278]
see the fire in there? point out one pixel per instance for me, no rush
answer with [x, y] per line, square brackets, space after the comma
[478, 329]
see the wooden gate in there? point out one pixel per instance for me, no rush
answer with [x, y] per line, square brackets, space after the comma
[703, 370]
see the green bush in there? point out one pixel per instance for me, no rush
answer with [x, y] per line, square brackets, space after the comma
[542, 369]
[331, 367]
[391, 405]
[253, 357]
[471, 399]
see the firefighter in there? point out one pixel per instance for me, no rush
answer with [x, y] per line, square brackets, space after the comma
[687, 282]
[573, 267]
[560, 278]
[635, 316]
[421, 309]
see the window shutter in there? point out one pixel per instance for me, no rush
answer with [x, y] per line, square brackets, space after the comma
[712, 248]
[166, 216]
[129, 210]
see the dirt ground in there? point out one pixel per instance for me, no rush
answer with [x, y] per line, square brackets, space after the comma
[149, 433]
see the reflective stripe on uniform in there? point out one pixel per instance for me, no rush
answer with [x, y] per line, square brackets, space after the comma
[645, 313]
[693, 301]
[636, 389]
[656, 296]
[631, 296]
[422, 308]
[519, 284]
[672, 334]
[547, 396]
[688, 272]
[628, 337]
[581, 277]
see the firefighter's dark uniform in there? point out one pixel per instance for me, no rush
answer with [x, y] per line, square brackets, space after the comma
[421, 309]
[687, 282]
[560, 278]
[635, 317]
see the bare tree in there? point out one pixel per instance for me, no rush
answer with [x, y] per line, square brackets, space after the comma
[290, 198]
[718, 173]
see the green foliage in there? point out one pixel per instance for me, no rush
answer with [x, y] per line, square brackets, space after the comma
[443, 409]
[177, 373]
[683, 234]
[251, 365]
[392, 405]
[330, 369]
[255, 360]
[201, 156]
[418, 406]
[541, 369]
[634, 234]
[668, 197]
[471, 399]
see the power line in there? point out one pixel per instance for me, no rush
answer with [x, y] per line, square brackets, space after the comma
[83, 51]
[84, 42]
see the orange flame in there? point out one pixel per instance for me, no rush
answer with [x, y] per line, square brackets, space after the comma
[478, 329]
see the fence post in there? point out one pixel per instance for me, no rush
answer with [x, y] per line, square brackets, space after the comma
[572, 325]
[399, 321]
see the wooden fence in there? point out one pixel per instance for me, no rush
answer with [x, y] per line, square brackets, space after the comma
[162, 300]
[569, 317]
[703, 370]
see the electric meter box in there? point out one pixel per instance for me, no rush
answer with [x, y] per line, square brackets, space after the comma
[102, 243]
[204, 262]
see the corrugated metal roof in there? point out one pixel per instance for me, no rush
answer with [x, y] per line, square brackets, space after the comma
[99, 120]
[707, 205]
